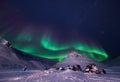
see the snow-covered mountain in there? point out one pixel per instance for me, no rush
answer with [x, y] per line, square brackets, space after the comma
[11, 58]
[76, 58]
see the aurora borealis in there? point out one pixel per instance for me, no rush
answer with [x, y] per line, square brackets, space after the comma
[46, 47]
[47, 43]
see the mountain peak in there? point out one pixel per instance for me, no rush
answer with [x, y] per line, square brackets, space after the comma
[74, 54]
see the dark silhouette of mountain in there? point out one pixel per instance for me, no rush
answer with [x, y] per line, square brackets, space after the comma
[115, 62]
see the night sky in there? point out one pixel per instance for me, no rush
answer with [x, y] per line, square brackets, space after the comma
[96, 20]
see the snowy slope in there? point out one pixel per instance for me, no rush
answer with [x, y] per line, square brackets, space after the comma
[7, 57]
[11, 58]
[72, 76]
[57, 76]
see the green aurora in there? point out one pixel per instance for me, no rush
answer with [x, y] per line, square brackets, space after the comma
[47, 43]
[47, 48]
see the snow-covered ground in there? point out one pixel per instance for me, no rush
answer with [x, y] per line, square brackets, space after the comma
[53, 75]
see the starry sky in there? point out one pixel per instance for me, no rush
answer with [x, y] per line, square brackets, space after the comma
[96, 20]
